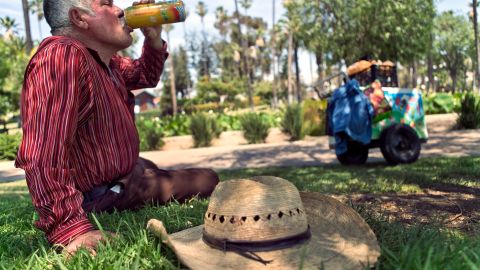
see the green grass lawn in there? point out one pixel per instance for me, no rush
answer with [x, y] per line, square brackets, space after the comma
[403, 247]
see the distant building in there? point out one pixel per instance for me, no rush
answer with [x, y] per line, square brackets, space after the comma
[145, 100]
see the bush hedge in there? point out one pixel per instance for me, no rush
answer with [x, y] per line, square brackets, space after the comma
[438, 103]
[175, 125]
[292, 122]
[314, 115]
[469, 115]
[9, 146]
[204, 129]
[150, 133]
[255, 127]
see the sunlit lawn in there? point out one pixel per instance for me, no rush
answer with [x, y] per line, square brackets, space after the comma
[414, 247]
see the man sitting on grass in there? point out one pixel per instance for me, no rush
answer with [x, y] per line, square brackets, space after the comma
[80, 147]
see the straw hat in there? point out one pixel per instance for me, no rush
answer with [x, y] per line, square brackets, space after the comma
[265, 223]
[358, 67]
[388, 63]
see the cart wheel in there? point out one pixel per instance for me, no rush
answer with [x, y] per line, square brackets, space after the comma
[357, 154]
[400, 144]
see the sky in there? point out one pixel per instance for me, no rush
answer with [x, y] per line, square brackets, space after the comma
[260, 8]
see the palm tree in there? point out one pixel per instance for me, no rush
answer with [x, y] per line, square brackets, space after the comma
[220, 24]
[28, 34]
[477, 55]
[10, 26]
[292, 27]
[290, 75]
[201, 10]
[225, 48]
[36, 7]
[274, 62]
[245, 4]
[173, 91]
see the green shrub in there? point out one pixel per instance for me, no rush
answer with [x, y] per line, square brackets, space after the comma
[204, 129]
[150, 114]
[255, 128]
[175, 125]
[9, 146]
[314, 114]
[263, 89]
[171, 125]
[292, 122]
[457, 101]
[273, 118]
[439, 103]
[150, 133]
[469, 115]
[211, 90]
[229, 122]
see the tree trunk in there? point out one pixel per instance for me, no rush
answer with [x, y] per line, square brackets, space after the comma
[245, 57]
[298, 87]
[289, 66]
[310, 63]
[274, 59]
[173, 89]
[320, 71]
[206, 65]
[454, 82]
[414, 74]
[339, 78]
[28, 34]
[453, 75]
[430, 85]
[477, 55]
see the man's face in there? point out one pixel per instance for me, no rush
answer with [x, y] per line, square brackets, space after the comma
[108, 26]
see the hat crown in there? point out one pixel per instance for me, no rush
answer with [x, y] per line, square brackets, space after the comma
[255, 209]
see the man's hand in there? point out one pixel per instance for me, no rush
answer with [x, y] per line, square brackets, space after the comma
[89, 241]
[152, 34]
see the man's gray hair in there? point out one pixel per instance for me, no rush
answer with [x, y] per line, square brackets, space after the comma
[56, 13]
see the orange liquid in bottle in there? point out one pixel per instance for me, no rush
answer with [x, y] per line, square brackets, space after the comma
[155, 14]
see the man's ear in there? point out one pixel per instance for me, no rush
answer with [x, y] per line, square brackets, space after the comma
[77, 18]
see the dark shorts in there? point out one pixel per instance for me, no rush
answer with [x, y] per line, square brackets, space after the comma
[149, 184]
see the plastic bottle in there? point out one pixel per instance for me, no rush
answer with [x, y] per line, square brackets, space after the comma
[147, 15]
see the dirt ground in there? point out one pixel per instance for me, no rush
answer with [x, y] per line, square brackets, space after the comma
[448, 206]
[452, 207]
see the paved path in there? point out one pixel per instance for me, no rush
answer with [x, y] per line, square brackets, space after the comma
[309, 152]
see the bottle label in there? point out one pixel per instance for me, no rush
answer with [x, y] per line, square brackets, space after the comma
[181, 13]
[155, 14]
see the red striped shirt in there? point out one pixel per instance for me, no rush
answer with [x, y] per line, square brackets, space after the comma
[78, 128]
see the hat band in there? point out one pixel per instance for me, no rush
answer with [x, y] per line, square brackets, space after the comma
[248, 248]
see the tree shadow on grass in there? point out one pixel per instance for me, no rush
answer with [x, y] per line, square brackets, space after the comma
[448, 194]
[451, 210]
[443, 190]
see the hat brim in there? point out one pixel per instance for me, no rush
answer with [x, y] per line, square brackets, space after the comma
[358, 67]
[340, 240]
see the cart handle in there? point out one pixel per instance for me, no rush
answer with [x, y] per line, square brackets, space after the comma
[320, 83]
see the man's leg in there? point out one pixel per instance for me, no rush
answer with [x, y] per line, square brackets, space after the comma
[149, 184]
